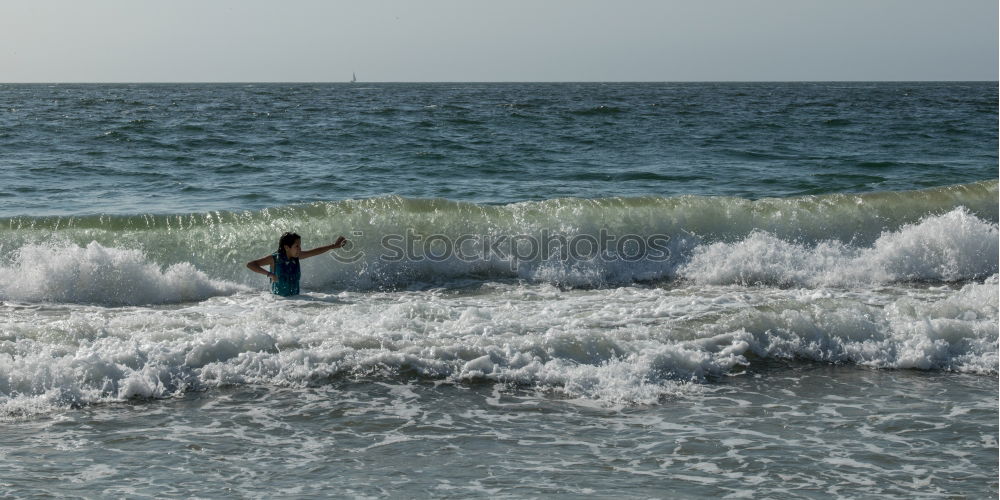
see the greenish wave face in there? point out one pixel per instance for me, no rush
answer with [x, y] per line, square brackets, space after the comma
[707, 214]
[950, 232]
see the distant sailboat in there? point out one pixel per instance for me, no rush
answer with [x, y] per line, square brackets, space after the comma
[354, 78]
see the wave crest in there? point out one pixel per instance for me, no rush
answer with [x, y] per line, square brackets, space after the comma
[943, 234]
[950, 247]
[101, 275]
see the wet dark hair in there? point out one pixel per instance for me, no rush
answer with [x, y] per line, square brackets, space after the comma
[287, 240]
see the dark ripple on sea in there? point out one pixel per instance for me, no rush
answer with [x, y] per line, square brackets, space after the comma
[493, 143]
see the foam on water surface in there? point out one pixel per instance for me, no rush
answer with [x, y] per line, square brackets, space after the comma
[950, 247]
[66, 273]
[803, 430]
[624, 345]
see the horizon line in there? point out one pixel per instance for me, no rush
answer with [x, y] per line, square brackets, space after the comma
[347, 82]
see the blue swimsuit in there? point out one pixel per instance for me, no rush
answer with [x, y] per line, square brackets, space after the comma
[288, 273]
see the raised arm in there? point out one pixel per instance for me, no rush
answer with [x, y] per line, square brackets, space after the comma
[305, 254]
[256, 266]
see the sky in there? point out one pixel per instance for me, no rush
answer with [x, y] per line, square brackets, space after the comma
[497, 41]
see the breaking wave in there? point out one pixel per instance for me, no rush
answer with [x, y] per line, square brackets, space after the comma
[945, 234]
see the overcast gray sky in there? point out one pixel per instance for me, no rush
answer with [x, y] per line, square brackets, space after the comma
[509, 40]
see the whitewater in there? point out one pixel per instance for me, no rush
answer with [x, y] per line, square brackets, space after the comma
[910, 292]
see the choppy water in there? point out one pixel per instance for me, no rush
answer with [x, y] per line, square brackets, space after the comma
[737, 290]
[132, 149]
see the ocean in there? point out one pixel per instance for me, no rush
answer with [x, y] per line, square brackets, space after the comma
[621, 290]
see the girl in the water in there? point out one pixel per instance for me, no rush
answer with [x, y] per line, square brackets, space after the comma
[284, 263]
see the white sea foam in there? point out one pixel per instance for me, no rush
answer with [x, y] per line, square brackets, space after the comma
[627, 344]
[97, 274]
[956, 333]
[949, 247]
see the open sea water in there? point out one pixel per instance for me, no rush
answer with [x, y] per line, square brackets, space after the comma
[656, 290]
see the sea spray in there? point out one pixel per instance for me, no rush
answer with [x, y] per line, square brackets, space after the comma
[108, 276]
[953, 246]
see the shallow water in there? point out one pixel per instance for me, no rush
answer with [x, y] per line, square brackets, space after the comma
[783, 429]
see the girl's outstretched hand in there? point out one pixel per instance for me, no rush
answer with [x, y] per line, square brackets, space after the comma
[305, 254]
